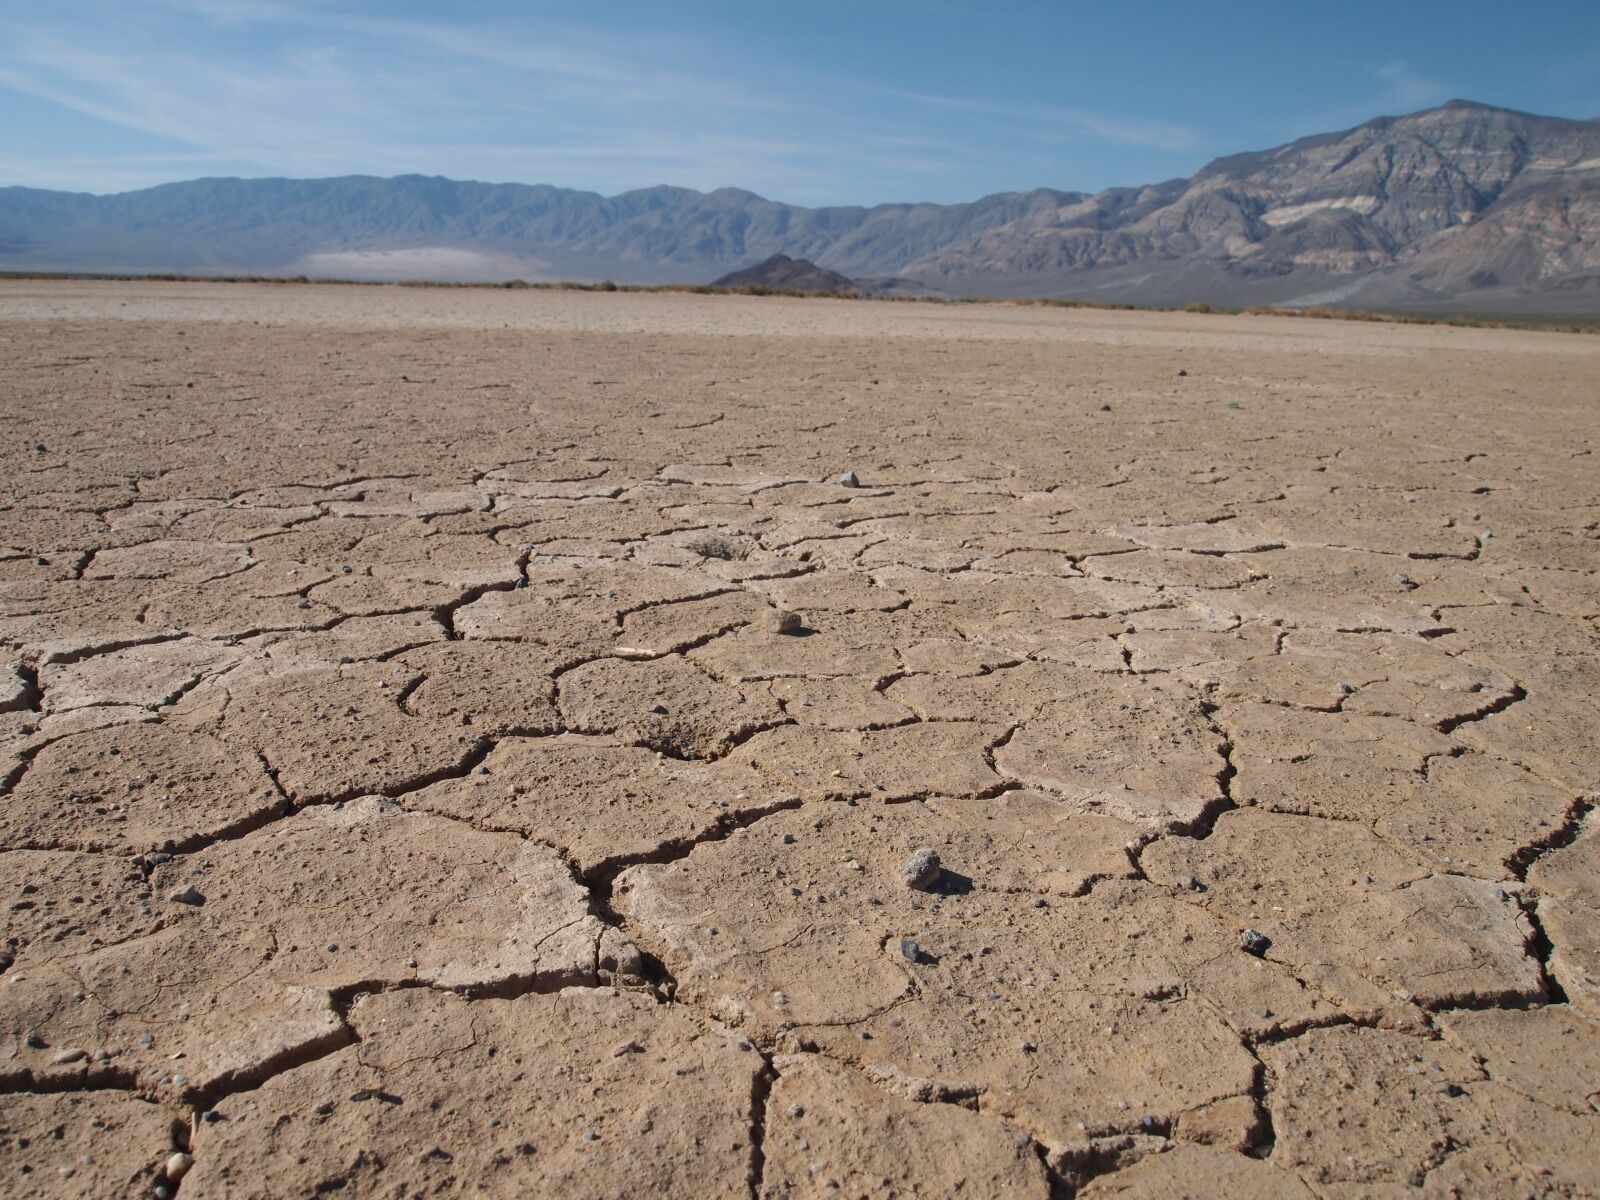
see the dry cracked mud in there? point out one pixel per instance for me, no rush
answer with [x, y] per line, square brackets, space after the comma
[413, 786]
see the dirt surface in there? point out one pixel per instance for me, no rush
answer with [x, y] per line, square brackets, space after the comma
[413, 785]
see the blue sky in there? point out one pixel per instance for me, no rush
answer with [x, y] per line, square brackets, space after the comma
[816, 102]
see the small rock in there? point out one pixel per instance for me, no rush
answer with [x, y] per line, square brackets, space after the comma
[628, 1047]
[178, 1166]
[787, 839]
[921, 870]
[1253, 941]
[186, 895]
[36, 1042]
[1182, 373]
[781, 620]
[71, 1054]
[797, 1110]
[1105, 408]
[910, 950]
[848, 479]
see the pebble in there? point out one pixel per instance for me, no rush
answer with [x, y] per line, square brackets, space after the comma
[178, 1166]
[71, 1054]
[921, 870]
[781, 620]
[186, 895]
[628, 1047]
[1253, 941]
[910, 950]
[848, 479]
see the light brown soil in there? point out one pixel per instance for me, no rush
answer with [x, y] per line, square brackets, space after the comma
[408, 791]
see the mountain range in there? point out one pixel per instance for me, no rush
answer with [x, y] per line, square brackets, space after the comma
[1464, 207]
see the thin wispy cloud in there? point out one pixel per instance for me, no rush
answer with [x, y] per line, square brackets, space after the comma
[830, 102]
[1065, 122]
[265, 87]
[1410, 89]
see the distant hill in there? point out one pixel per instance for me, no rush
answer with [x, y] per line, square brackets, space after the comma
[788, 274]
[1462, 207]
[1459, 205]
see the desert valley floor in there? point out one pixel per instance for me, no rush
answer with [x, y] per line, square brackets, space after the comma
[411, 786]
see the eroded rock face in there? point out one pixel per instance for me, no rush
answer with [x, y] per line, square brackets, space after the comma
[1171, 772]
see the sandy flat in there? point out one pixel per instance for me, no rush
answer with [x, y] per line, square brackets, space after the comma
[413, 784]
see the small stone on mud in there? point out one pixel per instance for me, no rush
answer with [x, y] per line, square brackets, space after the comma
[781, 620]
[921, 870]
[186, 895]
[910, 950]
[628, 1047]
[178, 1166]
[71, 1054]
[848, 479]
[1253, 941]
